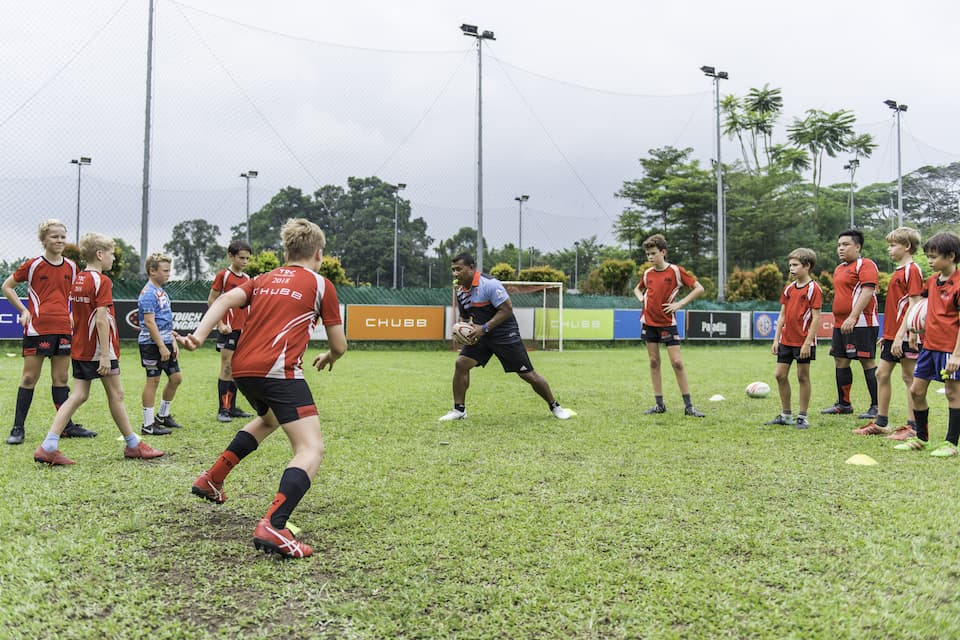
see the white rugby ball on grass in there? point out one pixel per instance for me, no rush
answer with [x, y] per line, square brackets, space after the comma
[758, 390]
[463, 332]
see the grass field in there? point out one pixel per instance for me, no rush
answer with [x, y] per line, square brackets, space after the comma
[511, 524]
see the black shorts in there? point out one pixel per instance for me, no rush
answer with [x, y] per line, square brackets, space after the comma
[786, 355]
[512, 355]
[87, 369]
[228, 341]
[669, 336]
[859, 345]
[150, 359]
[908, 353]
[290, 400]
[47, 345]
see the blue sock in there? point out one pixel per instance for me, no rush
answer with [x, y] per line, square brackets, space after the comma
[51, 443]
[132, 440]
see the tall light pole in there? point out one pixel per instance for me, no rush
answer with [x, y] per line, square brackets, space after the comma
[520, 200]
[576, 265]
[899, 108]
[246, 176]
[80, 162]
[721, 210]
[396, 201]
[472, 31]
[852, 168]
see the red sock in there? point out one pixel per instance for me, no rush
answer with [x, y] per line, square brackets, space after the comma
[224, 465]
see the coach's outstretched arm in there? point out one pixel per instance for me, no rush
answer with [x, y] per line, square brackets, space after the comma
[233, 298]
[336, 347]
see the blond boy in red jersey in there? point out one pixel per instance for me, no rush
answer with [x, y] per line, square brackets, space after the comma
[284, 307]
[796, 334]
[658, 290]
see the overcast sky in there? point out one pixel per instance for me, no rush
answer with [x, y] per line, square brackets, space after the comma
[310, 93]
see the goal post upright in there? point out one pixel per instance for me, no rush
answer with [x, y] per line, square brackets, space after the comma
[545, 288]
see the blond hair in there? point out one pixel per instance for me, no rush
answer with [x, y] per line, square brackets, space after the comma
[907, 236]
[301, 239]
[154, 260]
[90, 243]
[44, 227]
[806, 257]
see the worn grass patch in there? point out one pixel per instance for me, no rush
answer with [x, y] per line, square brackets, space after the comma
[511, 524]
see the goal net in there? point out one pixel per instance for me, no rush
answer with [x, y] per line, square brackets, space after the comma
[538, 307]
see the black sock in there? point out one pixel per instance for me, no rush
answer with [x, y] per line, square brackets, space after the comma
[659, 400]
[922, 415]
[242, 445]
[233, 394]
[60, 395]
[912, 424]
[686, 400]
[223, 390]
[882, 421]
[459, 407]
[953, 427]
[870, 375]
[844, 382]
[294, 483]
[24, 400]
[554, 404]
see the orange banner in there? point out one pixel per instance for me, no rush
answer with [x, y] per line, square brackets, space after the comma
[375, 322]
[826, 326]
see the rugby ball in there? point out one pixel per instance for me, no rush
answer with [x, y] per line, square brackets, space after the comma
[758, 390]
[463, 332]
[917, 317]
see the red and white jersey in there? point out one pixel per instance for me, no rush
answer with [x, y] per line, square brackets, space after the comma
[92, 290]
[48, 294]
[850, 280]
[661, 288]
[799, 303]
[284, 306]
[906, 281]
[943, 313]
[225, 281]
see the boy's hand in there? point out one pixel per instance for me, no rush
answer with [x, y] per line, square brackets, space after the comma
[953, 363]
[103, 368]
[176, 349]
[671, 307]
[775, 349]
[896, 349]
[324, 361]
[223, 328]
[189, 342]
[804, 351]
[848, 324]
[26, 317]
[164, 353]
[913, 341]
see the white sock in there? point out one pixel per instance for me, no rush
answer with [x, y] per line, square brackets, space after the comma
[147, 416]
[164, 409]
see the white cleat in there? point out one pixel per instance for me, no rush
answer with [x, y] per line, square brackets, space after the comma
[561, 413]
[453, 414]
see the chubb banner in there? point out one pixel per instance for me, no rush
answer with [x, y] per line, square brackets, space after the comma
[578, 324]
[381, 322]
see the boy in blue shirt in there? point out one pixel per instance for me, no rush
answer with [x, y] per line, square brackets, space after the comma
[158, 349]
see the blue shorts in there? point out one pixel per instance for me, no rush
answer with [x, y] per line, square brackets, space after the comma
[931, 363]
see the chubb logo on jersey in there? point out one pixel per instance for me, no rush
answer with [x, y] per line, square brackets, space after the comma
[278, 291]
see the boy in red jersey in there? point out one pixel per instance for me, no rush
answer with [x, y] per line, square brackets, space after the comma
[856, 324]
[229, 328]
[939, 358]
[284, 307]
[796, 334]
[904, 291]
[46, 325]
[657, 291]
[95, 353]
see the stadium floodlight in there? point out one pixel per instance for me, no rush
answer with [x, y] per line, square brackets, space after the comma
[852, 168]
[520, 200]
[472, 31]
[80, 162]
[246, 176]
[898, 108]
[400, 186]
[721, 208]
[576, 265]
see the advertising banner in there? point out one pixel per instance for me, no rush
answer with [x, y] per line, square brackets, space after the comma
[626, 324]
[10, 320]
[718, 325]
[826, 326]
[186, 317]
[382, 322]
[765, 324]
[578, 324]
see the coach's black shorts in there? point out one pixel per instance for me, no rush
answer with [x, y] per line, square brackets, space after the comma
[786, 355]
[87, 369]
[859, 345]
[47, 345]
[512, 355]
[669, 336]
[290, 399]
[150, 359]
[228, 341]
[908, 353]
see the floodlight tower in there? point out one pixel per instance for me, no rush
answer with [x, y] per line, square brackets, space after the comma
[80, 162]
[246, 176]
[898, 108]
[473, 32]
[400, 186]
[721, 208]
[520, 200]
[852, 168]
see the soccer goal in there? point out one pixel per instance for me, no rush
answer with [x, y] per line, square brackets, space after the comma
[539, 310]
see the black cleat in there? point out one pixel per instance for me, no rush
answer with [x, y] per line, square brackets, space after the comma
[16, 436]
[168, 421]
[76, 430]
[154, 430]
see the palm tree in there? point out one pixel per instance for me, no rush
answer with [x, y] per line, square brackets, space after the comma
[822, 133]
[733, 123]
[764, 106]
